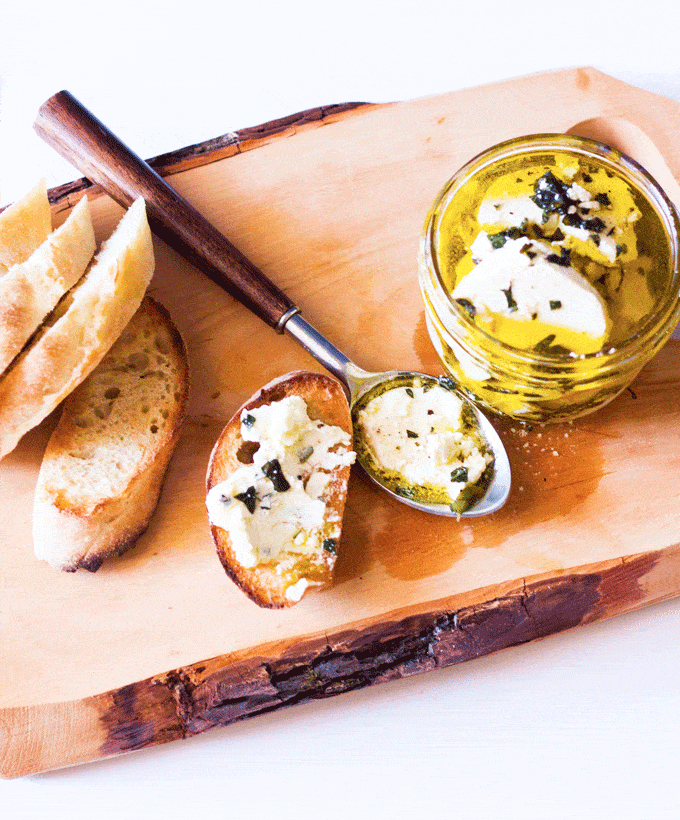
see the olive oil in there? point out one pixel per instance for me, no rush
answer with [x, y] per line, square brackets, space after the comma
[563, 210]
[630, 284]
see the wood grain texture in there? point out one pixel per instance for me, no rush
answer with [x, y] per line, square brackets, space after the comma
[159, 645]
[215, 149]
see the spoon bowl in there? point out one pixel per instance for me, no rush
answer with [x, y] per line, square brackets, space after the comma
[359, 382]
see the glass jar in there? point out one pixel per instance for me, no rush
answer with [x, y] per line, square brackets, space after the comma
[541, 382]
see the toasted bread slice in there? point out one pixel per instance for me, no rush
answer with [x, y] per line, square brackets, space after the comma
[104, 464]
[277, 541]
[31, 289]
[24, 226]
[80, 330]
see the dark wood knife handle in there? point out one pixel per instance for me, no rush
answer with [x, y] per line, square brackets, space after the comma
[68, 127]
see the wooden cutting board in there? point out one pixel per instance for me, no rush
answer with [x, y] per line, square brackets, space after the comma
[159, 644]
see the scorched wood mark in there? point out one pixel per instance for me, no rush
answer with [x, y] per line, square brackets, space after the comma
[220, 692]
[139, 715]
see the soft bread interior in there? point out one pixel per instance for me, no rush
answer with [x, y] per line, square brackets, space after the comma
[29, 290]
[24, 226]
[81, 329]
[102, 470]
[111, 425]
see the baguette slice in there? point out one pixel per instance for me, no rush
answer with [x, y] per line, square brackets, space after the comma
[104, 465]
[80, 330]
[24, 226]
[31, 289]
[281, 567]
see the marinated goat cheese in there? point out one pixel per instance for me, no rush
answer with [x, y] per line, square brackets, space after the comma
[558, 255]
[518, 283]
[423, 441]
[274, 509]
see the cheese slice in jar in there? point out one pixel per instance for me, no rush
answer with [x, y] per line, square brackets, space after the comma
[522, 293]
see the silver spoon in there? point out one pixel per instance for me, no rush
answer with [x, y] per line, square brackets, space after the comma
[85, 142]
[359, 382]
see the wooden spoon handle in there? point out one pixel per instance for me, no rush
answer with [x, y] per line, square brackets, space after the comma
[69, 128]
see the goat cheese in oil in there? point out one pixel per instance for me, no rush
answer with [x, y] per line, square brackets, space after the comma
[554, 257]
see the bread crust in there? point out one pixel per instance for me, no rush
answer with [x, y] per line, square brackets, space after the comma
[79, 532]
[79, 331]
[326, 402]
[31, 289]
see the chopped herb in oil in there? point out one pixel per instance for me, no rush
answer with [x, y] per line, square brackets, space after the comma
[459, 474]
[272, 469]
[249, 498]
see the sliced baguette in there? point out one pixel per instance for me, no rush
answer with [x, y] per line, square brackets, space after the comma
[102, 471]
[281, 581]
[31, 289]
[81, 329]
[24, 226]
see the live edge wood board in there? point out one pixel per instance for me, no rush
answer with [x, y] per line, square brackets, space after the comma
[159, 644]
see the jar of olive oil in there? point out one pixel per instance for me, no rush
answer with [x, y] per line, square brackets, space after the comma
[549, 271]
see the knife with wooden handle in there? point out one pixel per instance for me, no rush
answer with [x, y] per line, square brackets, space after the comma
[75, 133]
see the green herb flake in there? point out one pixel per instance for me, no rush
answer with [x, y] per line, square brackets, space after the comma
[564, 258]
[596, 225]
[497, 240]
[411, 434]
[304, 453]
[460, 474]
[330, 545]
[405, 492]
[621, 249]
[272, 469]
[249, 498]
[512, 305]
[546, 346]
[468, 307]
[409, 392]
[550, 194]
[446, 382]
[248, 421]
[555, 304]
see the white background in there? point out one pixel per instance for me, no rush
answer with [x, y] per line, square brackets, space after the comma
[584, 724]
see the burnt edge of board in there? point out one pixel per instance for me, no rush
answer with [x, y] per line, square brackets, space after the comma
[221, 691]
[212, 150]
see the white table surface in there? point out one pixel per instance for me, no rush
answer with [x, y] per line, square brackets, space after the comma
[582, 724]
